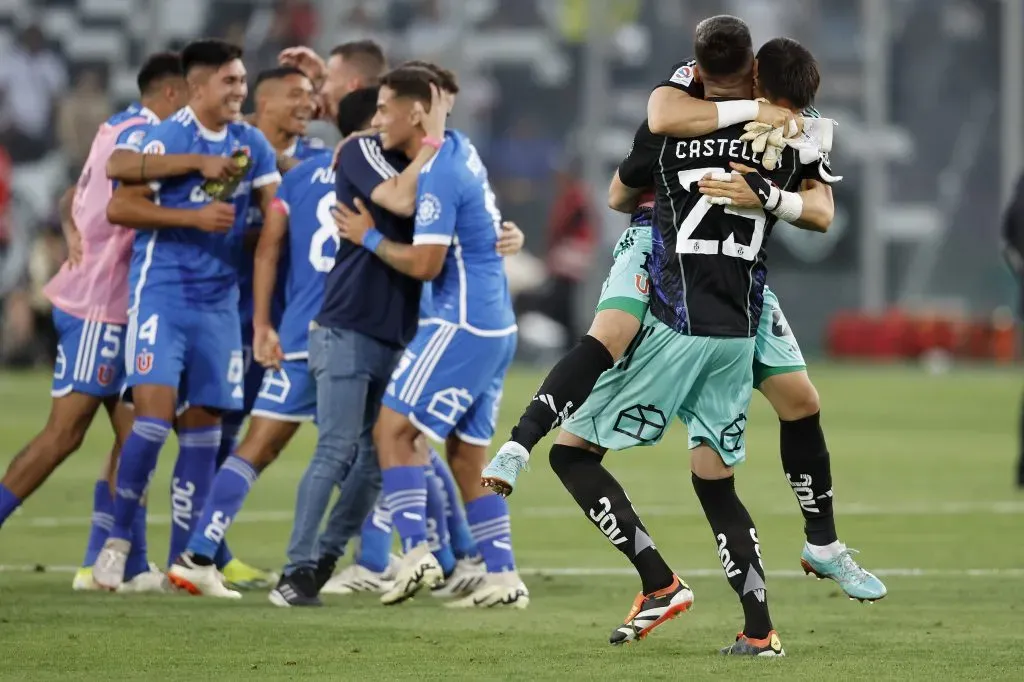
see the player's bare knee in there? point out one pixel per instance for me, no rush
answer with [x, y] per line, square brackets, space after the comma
[792, 395]
[707, 464]
[615, 329]
[574, 441]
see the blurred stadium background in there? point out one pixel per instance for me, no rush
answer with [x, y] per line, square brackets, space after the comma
[929, 97]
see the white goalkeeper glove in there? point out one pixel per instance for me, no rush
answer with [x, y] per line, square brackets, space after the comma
[766, 141]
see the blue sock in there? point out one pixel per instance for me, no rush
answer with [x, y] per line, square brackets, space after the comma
[437, 522]
[230, 488]
[405, 494]
[138, 462]
[102, 521]
[230, 427]
[375, 539]
[488, 519]
[8, 503]
[138, 559]
[190, 483]
[463, 544]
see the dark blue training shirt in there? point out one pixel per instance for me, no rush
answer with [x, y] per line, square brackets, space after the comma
[363, 293]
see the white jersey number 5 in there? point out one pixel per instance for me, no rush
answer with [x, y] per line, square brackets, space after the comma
[729, 247]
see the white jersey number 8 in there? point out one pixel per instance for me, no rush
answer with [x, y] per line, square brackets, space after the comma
[327, 231]
[688, 179]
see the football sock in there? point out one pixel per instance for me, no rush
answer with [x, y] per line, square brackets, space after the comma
[563, 390]
[8, 503]
[230, 487]
[102, 521]
[805, 460]
[437, 522]
[462, 539]
[190, 483]
[230, 427]
[489, 522]
[738, 550]
[605, 503]
[405, 494]
[138, 462]
[138, 560]
[375, 539]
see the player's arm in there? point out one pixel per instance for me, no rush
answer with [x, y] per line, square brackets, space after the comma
[72, 237]
[132, 206]
[422, 261]
[621, 197]
[266, 346]
[126, 165]
[635, 174]
[818, 207]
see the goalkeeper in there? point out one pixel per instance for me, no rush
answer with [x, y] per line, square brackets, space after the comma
[779, 369]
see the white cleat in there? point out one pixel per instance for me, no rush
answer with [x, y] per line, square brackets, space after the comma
[468, 575]
[83, 581]
[497, 590]
[108, 571]
[202, 581]
[417, 569]
[152, 581]
[356, 578]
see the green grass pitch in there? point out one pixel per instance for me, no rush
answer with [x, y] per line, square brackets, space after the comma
[922, 471]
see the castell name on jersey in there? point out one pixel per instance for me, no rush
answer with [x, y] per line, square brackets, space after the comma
[717, 147]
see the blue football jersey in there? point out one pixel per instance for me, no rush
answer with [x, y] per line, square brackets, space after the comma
[456, 207]
[132, 136]
[186, 266]
[303, 148]
[307, 193]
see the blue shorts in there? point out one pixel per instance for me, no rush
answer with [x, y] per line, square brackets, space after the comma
[450, 380]
[252, 378]
[90, 356]
[288, 395]
[196, 352]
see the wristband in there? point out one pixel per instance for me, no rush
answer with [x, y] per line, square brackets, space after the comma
[736, 111]
[372, 239]
[766, 191]
[433, 142]
[791, 206]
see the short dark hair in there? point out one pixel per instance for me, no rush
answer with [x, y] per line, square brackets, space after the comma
[366, 55]
[208, 52]
[356, 109]
[158, 67]
[722, 46]
[278, 73]
[446, 79]
[411, 81]
[787, 70]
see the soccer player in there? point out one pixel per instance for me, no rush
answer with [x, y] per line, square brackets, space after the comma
[779, 369]
[349, 67]
[284, 106]
[183, 281]
[90, 297]
[448, 383]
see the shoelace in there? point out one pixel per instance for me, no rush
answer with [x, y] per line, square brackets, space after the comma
[848, 567]
[511, 463]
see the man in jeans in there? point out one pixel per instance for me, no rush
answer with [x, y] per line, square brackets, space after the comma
[370, 313]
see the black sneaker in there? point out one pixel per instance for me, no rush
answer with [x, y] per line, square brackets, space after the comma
[324, 570]
[769, 647]
[651, 610]
[297, 589]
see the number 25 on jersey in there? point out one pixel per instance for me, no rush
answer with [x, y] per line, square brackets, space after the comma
[729, 246]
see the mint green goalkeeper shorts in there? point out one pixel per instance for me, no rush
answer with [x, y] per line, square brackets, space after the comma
[706, 382]
[627, 288]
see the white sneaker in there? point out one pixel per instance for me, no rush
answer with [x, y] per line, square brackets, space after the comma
[468, 575]
[83, 581]
[108, 571]
[417, 569]
[202, 581]
[497, 590]
[356, 578]
[152, 581]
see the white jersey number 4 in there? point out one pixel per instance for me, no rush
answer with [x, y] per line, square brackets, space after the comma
[710, 247]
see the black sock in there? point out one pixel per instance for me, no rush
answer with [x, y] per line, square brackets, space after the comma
[606, 505]
[805, 460]
[564, 389]
[738, 550]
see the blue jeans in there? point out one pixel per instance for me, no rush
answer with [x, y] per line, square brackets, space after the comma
[351, 372]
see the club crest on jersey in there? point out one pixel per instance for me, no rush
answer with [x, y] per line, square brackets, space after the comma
[104, 375]
[643, 285]
[155, 147]
[136, 138]
[683, 75]
[428, 210]
[144, 362]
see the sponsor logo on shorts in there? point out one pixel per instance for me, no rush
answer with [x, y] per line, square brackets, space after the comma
[730, 439]
[104, 375]
[780, 327]
[144, 362]
[644, 423]
[643, 285]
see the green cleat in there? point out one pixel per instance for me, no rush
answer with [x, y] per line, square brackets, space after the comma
[769, 647]
[855, 581]
[500, 475]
